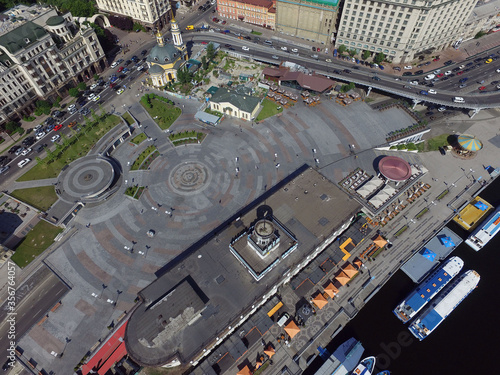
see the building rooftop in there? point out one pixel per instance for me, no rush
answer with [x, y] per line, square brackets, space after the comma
[208, 289]
[245, 103]
[22, 37]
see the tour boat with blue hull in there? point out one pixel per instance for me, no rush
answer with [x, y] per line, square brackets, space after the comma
[485, 232]
[365, 367]
[428, 289]
[445, 302]
[385, 372]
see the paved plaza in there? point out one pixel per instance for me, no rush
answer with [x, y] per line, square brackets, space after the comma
[192, 189]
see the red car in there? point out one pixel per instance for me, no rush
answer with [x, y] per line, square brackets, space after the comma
[204, 42]
[111, 85]
[436, 59]
[120, 69]
[460, 73]
[440, 75]
[57, 127]
[482, 88]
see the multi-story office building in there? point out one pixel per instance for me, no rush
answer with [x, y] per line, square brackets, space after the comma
[153, 14]
[403, 29]
[256, 12]
[484, 17]
[40, 55]
[314, 20]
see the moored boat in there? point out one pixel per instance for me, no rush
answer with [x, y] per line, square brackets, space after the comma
[485, 232]
[365, 367]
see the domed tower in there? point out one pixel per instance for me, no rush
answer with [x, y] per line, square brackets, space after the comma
[263, 237]
[57, 26]
[177, 37]
[159, 39]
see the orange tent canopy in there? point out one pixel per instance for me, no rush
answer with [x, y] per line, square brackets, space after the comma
[349, 270]
[320, 301]
[292, 329]
[358, 263]
[270, 351]
[379, 241]
[342, 278]
[258, 364]
[331, 290]
[245, 371]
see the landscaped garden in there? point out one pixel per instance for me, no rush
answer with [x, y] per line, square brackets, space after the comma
[145, 158]
[186, 137]
[269, 109]
[126, 116]
[134, 191]
[138, 139]
[161, 109]
[42, 197]
[71, 149]
[36, 242]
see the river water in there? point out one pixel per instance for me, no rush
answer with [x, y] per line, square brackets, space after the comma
[466, 342]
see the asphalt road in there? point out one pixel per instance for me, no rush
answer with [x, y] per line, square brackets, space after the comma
[34, 299]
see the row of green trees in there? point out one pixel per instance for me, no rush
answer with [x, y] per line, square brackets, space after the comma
[378, 58]
[78, 8]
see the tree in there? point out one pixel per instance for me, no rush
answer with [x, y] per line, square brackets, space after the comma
[74, 92]
[82, 86]
[342, 49]
[379, 58]
[366, 54]
[123, 23]
[96, 77]
[352, 52]
[211, 53]
[184, 75]
[11, 127]
[204, 63]
[346, 88]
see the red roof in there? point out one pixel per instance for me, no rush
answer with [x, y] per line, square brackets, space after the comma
[313, 82]
[394, 168]
[111, 352]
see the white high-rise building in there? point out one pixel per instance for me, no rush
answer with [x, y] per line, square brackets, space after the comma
[402, 29]
[150, 13]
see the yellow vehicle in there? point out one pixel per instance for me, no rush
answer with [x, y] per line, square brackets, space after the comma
[190, 27]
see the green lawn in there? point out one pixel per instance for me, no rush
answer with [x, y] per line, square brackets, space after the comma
[142, 156]
[256, 33]
[269, 108]
[126, 116]
[163, 113]
[39, 197]
[434, 143]
[83, 142]
[139, 138]
[36, 242]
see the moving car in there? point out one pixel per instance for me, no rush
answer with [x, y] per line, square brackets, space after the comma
[96, 98]
[120, 91]
[23, 162]
[94, 86]
[120, 69]
[432, 91]
[245, 48]
[295, 50]
[26, 151]
[115, 64]
[488, 61]
[55, 138]
[284, 48]
[57, 127]
[458, 99]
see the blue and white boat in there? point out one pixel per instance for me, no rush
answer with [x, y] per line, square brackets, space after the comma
[485, 232]
[365, 367]
[428, 289]
[445, 302]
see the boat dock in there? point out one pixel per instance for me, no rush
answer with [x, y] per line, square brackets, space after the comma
[473, 213]
[434, 251]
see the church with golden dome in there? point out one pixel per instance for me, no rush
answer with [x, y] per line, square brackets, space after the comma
[165, 59]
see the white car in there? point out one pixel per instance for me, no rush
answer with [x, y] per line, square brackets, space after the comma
[94, 86]
[328, 60]
[295, 50]
[275, 57]
[462, 66]
[415, 83]
[40, 135]
[26, 151]
[447, 73]
[284, 48]
[120, 91]
[432, 91]
[91, 96]
[55, 137]
[245, 48]
[23, 162]
[71, 107]
[408, 67]
[442, 109]
[140, 67]
[38, 127]
[96, 98]
[498, 70]
[115, 64]
[430, 77]
[437, 71]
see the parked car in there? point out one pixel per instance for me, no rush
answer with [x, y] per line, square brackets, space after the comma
[55, 137]
[408, 67]
[57, 127]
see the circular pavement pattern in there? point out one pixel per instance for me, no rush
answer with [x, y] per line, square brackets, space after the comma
[86, 178]
[190, 177]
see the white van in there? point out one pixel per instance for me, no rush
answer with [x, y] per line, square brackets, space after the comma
[284, 318]
[458, 99]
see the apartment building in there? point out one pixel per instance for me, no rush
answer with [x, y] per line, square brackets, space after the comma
[152, 14]
[403, 29]
[255, 12]
[484, 17]
[314, 20]
[40, 53]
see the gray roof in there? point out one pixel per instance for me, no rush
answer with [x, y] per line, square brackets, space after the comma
[243, 102]
[166, 54]
[22, 37]
[218, 289]
[156, 69]
[206, 117]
